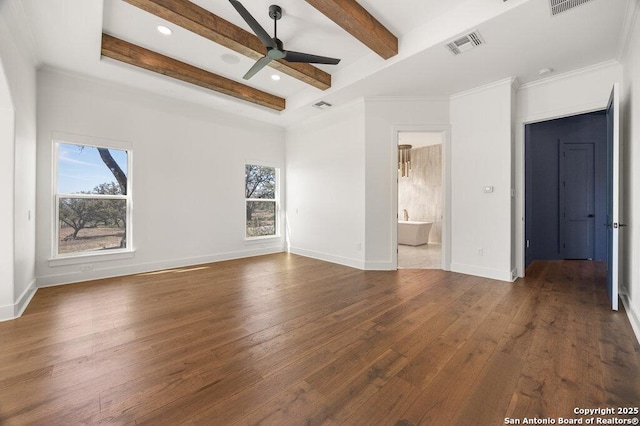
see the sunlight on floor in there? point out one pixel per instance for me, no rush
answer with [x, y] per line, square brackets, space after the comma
[173, 271]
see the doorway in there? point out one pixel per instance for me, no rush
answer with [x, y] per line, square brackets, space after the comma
[566, 188]
[420, 200]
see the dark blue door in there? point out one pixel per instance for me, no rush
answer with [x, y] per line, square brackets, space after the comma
[577, 193]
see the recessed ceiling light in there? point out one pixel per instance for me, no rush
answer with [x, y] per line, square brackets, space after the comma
[545, 71]
[275, 77]
[164, 30]
[229, 58]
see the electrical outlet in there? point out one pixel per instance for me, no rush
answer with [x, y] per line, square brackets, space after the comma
[480, 251]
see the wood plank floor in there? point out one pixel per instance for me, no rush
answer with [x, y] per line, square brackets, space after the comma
[287, 340]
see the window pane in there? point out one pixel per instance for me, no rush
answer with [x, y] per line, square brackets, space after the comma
[261, 218]
[260, 182]
[91, 170]
[88, 224]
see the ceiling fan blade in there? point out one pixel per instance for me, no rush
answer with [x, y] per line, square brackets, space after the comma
[291, 56]
[262, 34]
[260, 63]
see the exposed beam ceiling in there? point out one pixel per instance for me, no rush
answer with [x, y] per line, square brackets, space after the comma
[135, 55]
[355, 19]
[204, 23]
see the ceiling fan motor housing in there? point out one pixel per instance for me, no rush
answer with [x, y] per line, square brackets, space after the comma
[275, 12]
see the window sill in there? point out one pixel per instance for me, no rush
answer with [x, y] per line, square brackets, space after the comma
[262, 240]
[91, 257]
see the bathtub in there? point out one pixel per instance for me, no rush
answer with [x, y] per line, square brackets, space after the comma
[413, 233]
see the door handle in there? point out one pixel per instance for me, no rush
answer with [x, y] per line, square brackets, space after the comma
[618, 225]
[592, 215]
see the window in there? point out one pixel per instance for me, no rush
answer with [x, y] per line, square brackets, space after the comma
[261, 201]
[92, 200]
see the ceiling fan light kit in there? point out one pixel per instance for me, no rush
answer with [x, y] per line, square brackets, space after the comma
[273, 45]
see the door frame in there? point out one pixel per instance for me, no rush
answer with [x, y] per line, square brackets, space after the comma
[520, 170]
[614, 218]
[445, 129]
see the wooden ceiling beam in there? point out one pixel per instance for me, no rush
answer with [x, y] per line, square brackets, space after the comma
[355, 19]
[204, 23]
[132, 54]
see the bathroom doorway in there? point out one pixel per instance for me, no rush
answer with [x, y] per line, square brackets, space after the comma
[420, 199]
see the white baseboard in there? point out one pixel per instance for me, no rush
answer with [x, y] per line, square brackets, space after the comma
[74, 277]
[25, 298]
[346, 261]
[9, 312]
[494, 274]
[634, 317]
[6, 312]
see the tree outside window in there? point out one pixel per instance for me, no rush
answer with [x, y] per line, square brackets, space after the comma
[92, 199]
[260, 201]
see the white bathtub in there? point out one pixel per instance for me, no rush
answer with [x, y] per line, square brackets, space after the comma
[413, 233]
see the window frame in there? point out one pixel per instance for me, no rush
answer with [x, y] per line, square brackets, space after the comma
[275, 200]
[58, 258]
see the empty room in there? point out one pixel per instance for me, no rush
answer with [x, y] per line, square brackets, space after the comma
[227, 212]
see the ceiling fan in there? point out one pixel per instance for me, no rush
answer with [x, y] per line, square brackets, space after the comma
[274, 46]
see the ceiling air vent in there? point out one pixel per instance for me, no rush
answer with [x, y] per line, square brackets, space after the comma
[322, 105]
[464, 43]
[559, 6]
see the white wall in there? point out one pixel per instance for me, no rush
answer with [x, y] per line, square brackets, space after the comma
[630, 155]
[385, 117]
[188, 174]
[568, 94]
[349, 156]
[481, 146]
[17, 150]
[6, 194]
[325, 186]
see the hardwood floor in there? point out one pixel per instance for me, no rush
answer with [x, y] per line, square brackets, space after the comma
[283, 339]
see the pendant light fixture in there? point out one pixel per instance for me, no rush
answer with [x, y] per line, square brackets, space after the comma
[404, 160]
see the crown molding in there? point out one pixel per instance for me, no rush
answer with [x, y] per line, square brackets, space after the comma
[406, 98]
[511, 81]
[630, 18]
[570, 74]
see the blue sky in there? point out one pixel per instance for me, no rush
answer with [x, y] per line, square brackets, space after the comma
[81, 168]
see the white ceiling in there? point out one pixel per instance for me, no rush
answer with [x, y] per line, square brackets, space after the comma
[521, 38]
